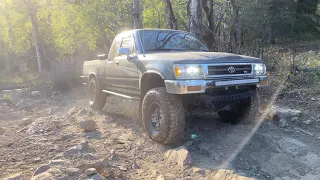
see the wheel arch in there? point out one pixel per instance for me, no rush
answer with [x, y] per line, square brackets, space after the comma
[150, 80]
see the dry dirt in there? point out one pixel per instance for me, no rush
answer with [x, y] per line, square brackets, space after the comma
[41, 135]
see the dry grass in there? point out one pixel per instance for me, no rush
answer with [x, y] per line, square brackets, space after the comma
[17, 77]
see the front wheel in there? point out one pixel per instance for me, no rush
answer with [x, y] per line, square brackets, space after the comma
[245, 112]
[163, 116]
[97, 97]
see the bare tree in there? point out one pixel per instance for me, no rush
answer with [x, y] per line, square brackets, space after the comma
[32, 12]
[196, 18]
[171, 19]
[136, 15]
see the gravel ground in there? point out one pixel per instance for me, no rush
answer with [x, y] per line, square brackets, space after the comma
[41, 138]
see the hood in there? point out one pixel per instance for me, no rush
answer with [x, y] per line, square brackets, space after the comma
[200, 57]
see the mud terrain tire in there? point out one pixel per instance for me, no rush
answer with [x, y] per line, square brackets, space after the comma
[97, 97]
[170, 116]
[247, 112]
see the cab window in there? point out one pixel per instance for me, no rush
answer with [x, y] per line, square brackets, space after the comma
[115, 48]
[127, 42]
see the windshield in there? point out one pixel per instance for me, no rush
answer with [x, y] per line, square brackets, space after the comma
[153, 40]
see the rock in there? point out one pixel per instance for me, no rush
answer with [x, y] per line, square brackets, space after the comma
[52, 110]
[26, 122]
[41, 170]
[135, 165]
[122, 168]
[312, 160]
[307, 122]
[283, 123]
[284, 113]
[293, 146]
[20, 130]
[91, 171]
[100, 166]
[228, 174]
[88, 125]
[304, 131]
[1, 130]
[198, 171]
[72, 171]
[76, 150]
[46, 176]
[188, 143]
[35, 93]
[313, 99]
[97, 177]
[17, 176]
[50, 174]
[180, 156]
[318, 138]
[294, 119]
[89, 156]
[160, 177]
[35, 160]
[58, 162]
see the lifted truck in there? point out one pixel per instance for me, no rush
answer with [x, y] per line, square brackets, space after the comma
[171, 72]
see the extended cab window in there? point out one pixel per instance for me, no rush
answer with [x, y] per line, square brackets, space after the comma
[127, 42]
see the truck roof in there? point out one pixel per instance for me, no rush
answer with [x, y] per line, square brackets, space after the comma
[148, 29]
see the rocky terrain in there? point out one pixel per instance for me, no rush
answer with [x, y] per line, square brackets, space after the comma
[55, 136]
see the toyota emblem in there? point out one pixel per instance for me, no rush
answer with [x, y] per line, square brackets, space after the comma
[231, 69]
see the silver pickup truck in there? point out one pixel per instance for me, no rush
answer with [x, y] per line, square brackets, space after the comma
[172, 73]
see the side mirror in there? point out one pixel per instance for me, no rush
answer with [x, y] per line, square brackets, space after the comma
[124, 51]
[102, 57]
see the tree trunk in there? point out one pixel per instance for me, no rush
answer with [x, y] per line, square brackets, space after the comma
[36, 40]
[210, 34]
[232, 45]
[137, 24]
[171, 19]
[196, 18]
[12, 58]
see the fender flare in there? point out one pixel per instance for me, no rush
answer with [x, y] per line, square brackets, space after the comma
[149, 72]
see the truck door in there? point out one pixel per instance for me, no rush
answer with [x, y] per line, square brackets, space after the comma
[126, 71]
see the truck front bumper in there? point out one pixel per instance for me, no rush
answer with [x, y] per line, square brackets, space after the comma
[200, 86]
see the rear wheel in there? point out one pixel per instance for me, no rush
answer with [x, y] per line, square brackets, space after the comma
[97, 97]
[163, 116]
[245, 112]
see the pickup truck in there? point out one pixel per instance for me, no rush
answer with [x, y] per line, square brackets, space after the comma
[171, 73]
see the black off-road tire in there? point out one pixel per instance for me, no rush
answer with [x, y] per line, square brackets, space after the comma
[172, 129]
[98, 99]
[246, 113]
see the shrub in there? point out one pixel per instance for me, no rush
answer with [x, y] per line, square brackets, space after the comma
[7, 97]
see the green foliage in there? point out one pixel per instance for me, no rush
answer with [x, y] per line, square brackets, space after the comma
[67, 27]
[7, 97]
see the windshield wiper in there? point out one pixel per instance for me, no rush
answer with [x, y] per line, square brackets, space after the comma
[196, 49]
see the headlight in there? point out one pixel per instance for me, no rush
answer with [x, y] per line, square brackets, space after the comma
[259, 69]
[184, 71]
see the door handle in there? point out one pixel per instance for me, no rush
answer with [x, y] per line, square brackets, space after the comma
[116, 63]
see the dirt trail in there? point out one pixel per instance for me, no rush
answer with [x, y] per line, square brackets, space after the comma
[44, 132]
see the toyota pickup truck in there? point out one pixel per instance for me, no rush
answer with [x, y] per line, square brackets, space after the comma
[172, 73]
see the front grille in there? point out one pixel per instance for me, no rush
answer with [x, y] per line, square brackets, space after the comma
[229, 70]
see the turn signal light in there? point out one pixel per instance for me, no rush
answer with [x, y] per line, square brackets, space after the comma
[263, 82]
[194, 88]
[177, 71]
